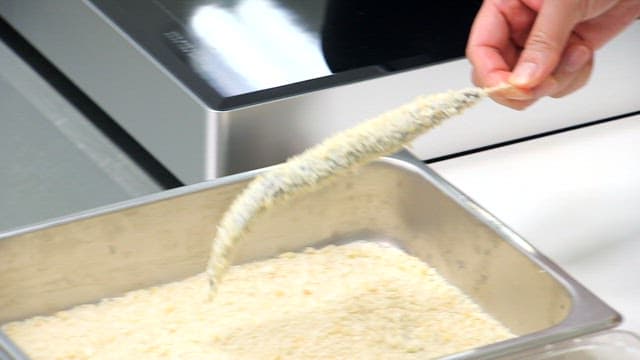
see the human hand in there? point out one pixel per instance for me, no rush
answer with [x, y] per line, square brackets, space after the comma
[542, 47]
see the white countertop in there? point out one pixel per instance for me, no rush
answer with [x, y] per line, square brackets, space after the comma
[576, 197]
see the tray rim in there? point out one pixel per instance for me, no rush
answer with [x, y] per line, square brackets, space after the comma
[588, 313]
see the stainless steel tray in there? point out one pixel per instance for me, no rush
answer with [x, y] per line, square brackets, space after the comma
[398, 200]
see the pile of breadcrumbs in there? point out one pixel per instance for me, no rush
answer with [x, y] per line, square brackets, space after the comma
[355, 301]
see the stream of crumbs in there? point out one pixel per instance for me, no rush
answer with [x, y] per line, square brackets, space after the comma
[357, 301]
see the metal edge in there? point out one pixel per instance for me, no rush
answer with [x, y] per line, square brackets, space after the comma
[578, 322]
[131, 203]
[151, 198]
[9, 350]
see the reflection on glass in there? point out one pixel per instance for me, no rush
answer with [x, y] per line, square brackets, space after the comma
[253, 44]
[243, 46]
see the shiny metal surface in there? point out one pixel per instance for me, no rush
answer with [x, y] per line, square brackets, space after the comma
[54, 160]
[250, 51]
[397, 200]
[244, 46]
[197, 142]
[606, 345]
[164, 117]
[268, 133]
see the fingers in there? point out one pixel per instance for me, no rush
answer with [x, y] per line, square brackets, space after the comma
[488, 40]
[514, 98]
[520, 99]
[572, 73]
[496, 38]
[520, 18]
[514, 104]
[599, 30]
[545, 43]
[576, 83]
[574, 70]
[557, 56]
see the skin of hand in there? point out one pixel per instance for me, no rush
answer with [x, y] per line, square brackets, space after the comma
[542, 47]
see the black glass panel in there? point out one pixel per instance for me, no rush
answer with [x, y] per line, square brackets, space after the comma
[242, 47]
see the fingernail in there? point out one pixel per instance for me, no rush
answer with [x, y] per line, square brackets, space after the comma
[576, 58]
[523, 74]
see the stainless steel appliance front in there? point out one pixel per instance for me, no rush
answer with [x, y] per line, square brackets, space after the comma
[173, 119]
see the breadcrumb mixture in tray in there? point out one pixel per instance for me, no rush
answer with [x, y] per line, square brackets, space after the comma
[357, 301]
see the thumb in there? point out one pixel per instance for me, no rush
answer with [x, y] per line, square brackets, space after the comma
[545, 43]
